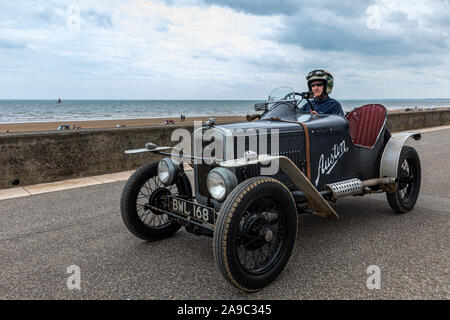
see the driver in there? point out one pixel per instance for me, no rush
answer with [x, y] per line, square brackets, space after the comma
[317, 81]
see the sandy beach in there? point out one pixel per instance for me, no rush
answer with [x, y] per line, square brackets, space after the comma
[43, 126]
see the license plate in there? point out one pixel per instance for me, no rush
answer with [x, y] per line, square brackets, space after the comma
[192, 210]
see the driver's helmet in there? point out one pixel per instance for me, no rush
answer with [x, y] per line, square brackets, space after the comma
[322, 75]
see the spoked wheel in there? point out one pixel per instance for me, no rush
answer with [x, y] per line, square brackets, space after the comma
[260, 236]
[144, 190]
[409, 177]
[255, 233]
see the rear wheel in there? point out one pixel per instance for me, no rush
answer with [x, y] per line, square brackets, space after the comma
[255, 233]
[409, 178]
[143, 189]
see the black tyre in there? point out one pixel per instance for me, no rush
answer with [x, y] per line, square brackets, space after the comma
[144, 188]
[255, 233]
[409, 177]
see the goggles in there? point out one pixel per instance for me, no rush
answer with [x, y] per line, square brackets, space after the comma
[318, 73]
[317, 84]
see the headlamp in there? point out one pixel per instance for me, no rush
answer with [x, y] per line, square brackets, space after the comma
[221, 182]
[167, 171]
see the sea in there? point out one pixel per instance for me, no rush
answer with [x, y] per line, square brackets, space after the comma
[21, 111]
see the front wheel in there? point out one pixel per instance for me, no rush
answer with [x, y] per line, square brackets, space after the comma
[409, 177]
[142, 189]
[255, 233]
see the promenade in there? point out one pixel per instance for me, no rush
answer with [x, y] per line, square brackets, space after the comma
[46, 228]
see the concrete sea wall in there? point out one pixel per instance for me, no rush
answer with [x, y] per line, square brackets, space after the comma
[37, 157]
[402, 121]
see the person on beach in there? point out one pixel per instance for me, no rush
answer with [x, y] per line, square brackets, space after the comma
[320, 82]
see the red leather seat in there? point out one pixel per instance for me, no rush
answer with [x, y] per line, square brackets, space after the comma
[365, 124]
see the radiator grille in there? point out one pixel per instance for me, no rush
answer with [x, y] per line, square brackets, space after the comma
[291, 148]
[202, 174]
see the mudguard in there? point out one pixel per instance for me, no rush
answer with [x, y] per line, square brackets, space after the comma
[391, 153]
[296, 175]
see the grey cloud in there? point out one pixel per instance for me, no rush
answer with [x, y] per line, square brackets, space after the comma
[291, 7]
[439, 17]
[100, 19]
[341, 26]
[334, 31]
[18, 14]
[346, 8]
[259, 7]
[47, 15]
[44, 16]
[359, 39]
[11, 44]
[164, 25]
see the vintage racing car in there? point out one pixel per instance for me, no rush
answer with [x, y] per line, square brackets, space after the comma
[260, 174]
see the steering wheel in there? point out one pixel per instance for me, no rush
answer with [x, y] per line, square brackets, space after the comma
[303, 95]
[292, 94]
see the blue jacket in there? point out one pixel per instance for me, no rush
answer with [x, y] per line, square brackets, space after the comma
[327, 105]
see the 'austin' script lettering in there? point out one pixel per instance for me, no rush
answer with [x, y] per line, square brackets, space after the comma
[326, 164]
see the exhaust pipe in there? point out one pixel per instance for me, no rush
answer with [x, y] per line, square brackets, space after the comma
[355, 186]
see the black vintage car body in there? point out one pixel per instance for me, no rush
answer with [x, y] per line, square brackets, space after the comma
[252, 215]
[325, 132]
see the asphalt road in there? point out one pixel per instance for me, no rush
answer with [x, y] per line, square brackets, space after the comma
[42, 235]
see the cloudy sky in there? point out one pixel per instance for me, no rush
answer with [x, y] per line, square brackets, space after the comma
[222, 49]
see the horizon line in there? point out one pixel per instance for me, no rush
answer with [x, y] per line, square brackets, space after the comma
[107, 99]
